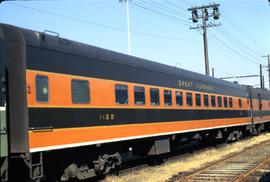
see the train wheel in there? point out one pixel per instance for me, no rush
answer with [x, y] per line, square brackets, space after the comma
[106, 163]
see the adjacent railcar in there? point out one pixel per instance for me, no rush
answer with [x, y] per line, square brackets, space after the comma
[73, 108]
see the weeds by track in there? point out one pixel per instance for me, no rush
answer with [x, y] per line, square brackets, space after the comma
[184, 151]
[241, 166]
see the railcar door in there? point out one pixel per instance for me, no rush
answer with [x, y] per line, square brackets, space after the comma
[249, 98]
[260, 105]
[3, 122]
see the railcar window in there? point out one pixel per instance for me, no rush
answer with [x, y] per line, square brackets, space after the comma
[139, 96]
[179, 98]
[225, 100]
[213, 101]
[219, 101]
[80, 91]
[168, 97]
[206, 100]
[189, 99]
[240, 103]
[42, 88]
[154, 96]
[121, 94]
[198, 99]
[230, 102]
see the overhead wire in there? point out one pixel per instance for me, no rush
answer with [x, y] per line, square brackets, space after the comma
[159, 12]
[100, 25]
[235, 51]
[173, 4]
[245, 50]
[237, 44]
[243, 32]
[244, 47]
[186, 1]
[228, 58]
[168, 9]
[236, 40]
[225, 73]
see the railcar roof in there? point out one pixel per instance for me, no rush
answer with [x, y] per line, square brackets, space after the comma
[41, 39]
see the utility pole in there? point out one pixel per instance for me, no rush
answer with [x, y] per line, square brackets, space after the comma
[263, 81]
[268, 59]
[261, 77]
[205, 16]
[213, 72]
[128, 25]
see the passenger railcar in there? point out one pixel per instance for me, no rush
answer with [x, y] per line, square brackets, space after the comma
[72, 108]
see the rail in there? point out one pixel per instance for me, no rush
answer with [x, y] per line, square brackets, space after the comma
[236, 167]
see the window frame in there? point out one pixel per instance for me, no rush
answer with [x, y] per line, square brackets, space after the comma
[240, 103]
[153, 90]
[115, 94]
[164, 95]
[220, 101]
[177, 96]
[225, 102]
[211, 98]
[198, 97]
[48, 88]
[134, 91]
[206, 98]
[187, 99]
[230, 102]
[88, 87]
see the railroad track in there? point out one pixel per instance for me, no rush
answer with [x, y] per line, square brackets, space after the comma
[243, 166]
[179, 154]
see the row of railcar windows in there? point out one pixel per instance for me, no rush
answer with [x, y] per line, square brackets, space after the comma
[121, 92]
[81, 95]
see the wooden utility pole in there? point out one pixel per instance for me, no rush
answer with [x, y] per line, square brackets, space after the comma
[261, 77]
[268, 58]
[268, 68]
[204, 15]
[205, 45]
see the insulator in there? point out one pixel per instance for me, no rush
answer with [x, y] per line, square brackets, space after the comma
[216, 13]
[195, 16]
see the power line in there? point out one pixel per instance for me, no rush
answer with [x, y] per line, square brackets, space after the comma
[235, 51]
[241, 43]
[173, 11]
[174, 5]
[239, 66]
[186, 1]
[163, 9]
[242, 76]
[225, 73]
[242, 31]
[101, 25]
[160, 13]
[237, 43]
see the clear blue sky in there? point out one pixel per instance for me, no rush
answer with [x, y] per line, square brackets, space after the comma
[235, 48]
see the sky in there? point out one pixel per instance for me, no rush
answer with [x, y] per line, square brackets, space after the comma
[160, 30]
